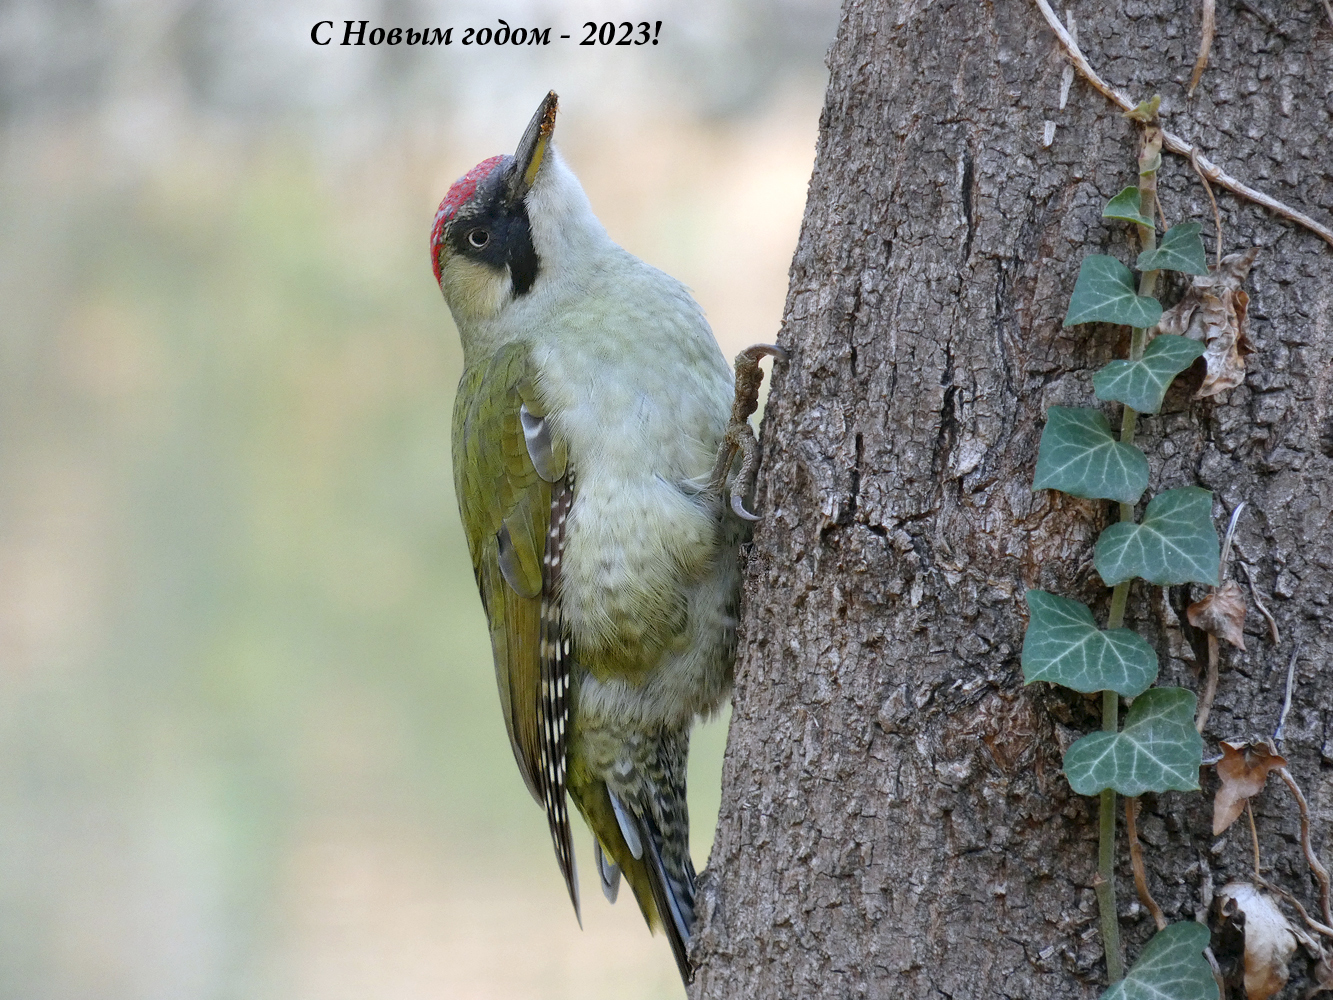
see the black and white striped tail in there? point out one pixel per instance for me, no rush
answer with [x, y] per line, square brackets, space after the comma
[655, 823]
[666, 855]
[553, 711]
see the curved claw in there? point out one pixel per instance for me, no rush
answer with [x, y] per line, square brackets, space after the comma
[738, 436]
[757, 351]
[738, 508]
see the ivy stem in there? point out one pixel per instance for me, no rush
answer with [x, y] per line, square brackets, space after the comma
[1150, 157]
[1105, 882]
[1119, 598]
[1128, 422]
[1149, 160]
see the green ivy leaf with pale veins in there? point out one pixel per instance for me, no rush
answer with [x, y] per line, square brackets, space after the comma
[1104, 293]
[1142, 384]
[1078, 456]
[1126, 206]
[1063, 645]
[1174, 543]
[1180, 250]
[1172, 967]
[1157, 751]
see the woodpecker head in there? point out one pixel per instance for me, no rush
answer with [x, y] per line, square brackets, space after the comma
[507, 223]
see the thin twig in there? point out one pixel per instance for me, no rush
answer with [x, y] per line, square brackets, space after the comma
[1226, 542]
[1272, 625]
[1205, 43]
[1310, 921]
[1174, 143]
[1262, 15]
[1286, 699]
[1209, 688]
[1254, 837]
[1205, 892]
[1217, 216]
[1217, 971]
[1328, 6]
[1316, 866]
[1067, 74]
[1080, 63]
[1218, 176]
[1136, 862]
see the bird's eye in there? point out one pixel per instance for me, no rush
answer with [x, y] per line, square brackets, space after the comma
[478, 238]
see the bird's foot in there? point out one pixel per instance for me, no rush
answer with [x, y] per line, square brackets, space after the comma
[739, 436]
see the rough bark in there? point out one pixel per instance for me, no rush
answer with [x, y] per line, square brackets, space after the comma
[894, 821]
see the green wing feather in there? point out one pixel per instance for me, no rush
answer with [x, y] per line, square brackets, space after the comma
[506, 506]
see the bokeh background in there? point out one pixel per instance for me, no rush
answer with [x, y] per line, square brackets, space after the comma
[250, 745]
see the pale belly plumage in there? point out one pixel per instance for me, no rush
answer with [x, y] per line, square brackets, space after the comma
[649, 575]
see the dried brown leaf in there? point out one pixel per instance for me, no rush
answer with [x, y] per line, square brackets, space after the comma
[1322, 972]
[1243, 770]
[1214, 310]
[1222, 613]
[1269, 941]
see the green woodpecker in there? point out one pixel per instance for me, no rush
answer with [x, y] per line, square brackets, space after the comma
[593, 445]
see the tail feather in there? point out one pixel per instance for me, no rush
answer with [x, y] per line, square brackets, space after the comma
[629, 827]
[608, 870]
[672, 885]
[676, 899]
[556, 660]
[641, 830]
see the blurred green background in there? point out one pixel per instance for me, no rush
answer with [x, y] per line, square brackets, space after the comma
[250, 745]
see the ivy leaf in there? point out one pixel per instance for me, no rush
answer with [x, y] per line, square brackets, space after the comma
[1064, 645]
[1172, 966]
[1104, 293]
[1181, 250]
[1078, 456]
[1142, 384]
[1174, 543]
[1125, 206]
[1158, 750]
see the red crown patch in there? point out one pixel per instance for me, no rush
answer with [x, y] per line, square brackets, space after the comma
[462, 190]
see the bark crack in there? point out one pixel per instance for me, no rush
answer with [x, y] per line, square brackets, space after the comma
[967, 206]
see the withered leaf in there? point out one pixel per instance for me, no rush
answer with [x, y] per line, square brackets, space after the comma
[1222, 613]
[1146, 111]
[1322, 974]
[1269, 941]
[1214, 310]
[1243, 770]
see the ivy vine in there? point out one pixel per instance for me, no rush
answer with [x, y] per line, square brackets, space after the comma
[1158, 748]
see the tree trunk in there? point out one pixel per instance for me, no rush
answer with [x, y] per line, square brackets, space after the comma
[895, 822]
